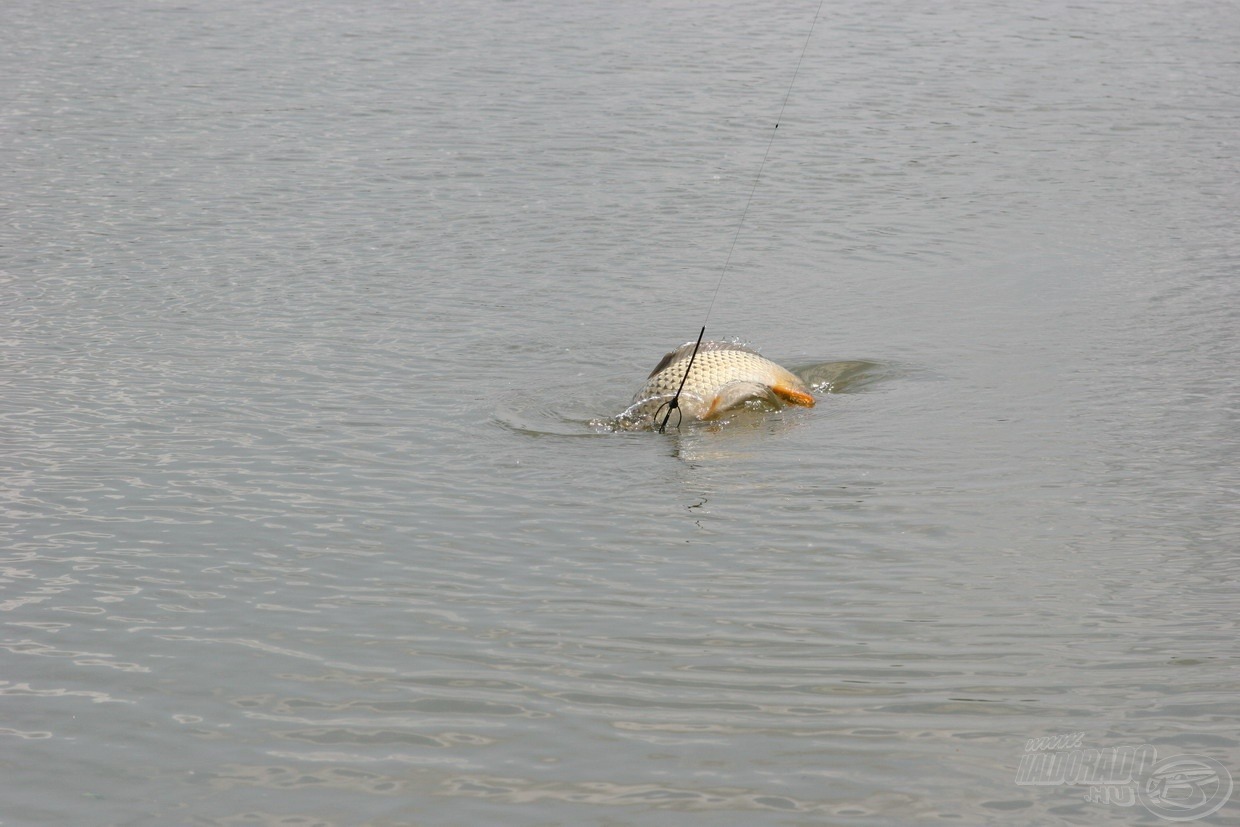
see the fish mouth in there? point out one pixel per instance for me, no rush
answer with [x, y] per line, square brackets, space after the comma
[793, 396]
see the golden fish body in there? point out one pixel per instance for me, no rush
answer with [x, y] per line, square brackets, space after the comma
[724, 377]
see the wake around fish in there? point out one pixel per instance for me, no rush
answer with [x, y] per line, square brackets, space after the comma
[725, 376]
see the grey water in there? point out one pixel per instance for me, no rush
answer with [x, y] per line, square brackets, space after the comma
[307, 309]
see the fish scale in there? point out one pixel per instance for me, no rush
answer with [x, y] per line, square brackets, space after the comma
[724, 377]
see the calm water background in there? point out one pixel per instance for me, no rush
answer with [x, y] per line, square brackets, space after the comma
[307, 307]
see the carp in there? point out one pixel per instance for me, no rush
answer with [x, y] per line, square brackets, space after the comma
[724, 377]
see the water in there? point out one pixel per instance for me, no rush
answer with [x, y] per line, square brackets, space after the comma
[308, 308]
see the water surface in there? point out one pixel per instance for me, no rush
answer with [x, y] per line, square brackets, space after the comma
[308, 309]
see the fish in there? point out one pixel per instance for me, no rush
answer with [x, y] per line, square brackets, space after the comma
[724, 377]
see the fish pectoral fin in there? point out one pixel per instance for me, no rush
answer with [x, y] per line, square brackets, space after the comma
[735, 394]
[794, 396]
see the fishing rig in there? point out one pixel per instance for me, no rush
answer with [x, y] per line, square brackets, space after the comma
[673, 404]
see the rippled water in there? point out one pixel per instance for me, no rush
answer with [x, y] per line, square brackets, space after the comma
[308, 308]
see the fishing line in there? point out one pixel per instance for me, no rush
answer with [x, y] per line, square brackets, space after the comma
[674, 404]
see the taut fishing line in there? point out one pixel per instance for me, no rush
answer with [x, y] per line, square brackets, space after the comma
[674, 404]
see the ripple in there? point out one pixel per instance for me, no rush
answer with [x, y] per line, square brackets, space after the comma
[533, 415]
[314, 315]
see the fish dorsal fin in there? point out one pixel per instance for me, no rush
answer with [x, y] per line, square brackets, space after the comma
[684, 350]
